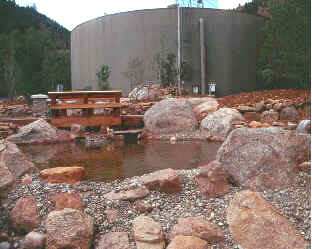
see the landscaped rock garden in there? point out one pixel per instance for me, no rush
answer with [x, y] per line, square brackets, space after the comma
[255, 195]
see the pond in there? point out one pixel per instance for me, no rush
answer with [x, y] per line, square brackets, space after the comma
[123, 159]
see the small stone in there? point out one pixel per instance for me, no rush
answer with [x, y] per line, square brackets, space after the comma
[2, 147]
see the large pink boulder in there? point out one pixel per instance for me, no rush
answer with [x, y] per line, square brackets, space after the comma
[263, 158]
[24, 217]
[14, 160]
[213, 180]
[170, 116]
[69, 228]
[166, 180]
[68, 175]
[255, 224]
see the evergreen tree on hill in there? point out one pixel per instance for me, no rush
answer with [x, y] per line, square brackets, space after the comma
[34, 52]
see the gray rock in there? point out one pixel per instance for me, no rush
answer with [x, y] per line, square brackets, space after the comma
[152, 92]
[170, 116]
[263, 158]
[36, 132]
[219, 123]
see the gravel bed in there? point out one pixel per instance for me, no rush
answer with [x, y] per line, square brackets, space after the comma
[294, 202]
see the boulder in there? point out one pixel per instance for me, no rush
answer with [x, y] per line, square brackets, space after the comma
[263, 158]
[34, 240]
[67, 200]
[213, 180]
[24, 217]
[14, 160]
[170, 116]
[68, 175]
[219, 123]
[255, 223]
[148, 233]
[114, 240]
[209, 106]
[39, 131]
[130, 195]
[69, 228]
[187, 242]
[197, 227]
[142, 93]
[166, 180]
[289, 113]
[304, 127]
[269, 116]
[36, 132]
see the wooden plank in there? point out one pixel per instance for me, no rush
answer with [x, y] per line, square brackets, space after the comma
[128, 132]
[86, 106]
[86, 121]
[90, 94]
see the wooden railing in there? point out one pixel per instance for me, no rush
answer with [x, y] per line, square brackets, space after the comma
[87, 108]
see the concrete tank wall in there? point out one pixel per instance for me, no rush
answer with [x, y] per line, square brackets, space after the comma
[231, 40]
[118, 39]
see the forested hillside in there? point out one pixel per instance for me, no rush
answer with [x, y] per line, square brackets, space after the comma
[34, 51]
[285, 55]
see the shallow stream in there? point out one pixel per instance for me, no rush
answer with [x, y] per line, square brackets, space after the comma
[123, 159]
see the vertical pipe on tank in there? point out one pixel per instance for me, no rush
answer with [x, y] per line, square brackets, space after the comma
[179, 49]
[202, 56]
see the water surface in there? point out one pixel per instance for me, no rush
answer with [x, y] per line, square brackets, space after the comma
[123, 159]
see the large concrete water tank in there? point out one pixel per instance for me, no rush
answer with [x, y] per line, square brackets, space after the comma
[132, 44]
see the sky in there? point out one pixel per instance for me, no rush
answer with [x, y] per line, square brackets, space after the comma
[70, 13]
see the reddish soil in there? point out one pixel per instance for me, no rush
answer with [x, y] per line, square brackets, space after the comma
[297, 97]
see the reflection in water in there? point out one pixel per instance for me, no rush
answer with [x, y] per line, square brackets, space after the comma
[119, 160]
